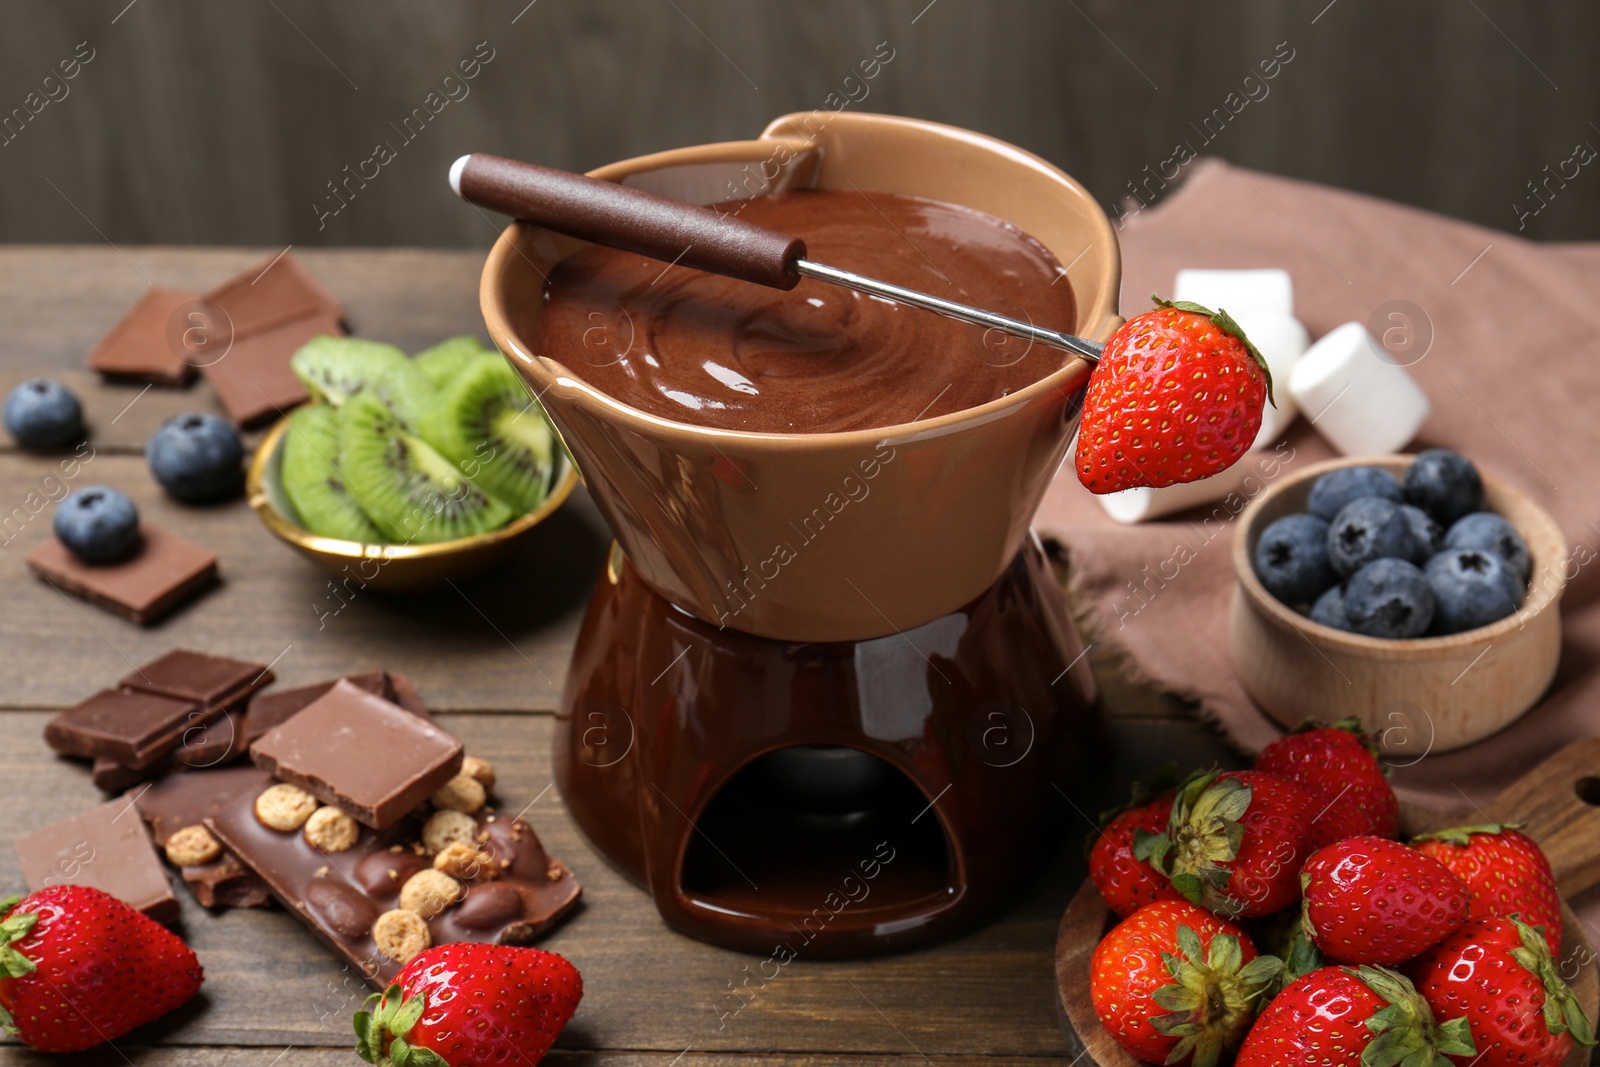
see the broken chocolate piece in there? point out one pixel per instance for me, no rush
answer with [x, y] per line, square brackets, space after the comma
[146, 345]
[215, 682]
[189, 799]
[165, 572]
[402, 692]
[213, 744]
[269, 294]
[253, 379]
[360, 753]
[135, 729]
[269, 709]
[106, 847]
[340, 895]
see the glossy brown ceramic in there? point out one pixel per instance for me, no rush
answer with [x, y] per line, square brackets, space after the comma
[840, 536]
[687, 755]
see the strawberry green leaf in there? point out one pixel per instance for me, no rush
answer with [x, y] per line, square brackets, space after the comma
[400, 1052]
[362, 1021]
[1226, 323]
[1562, 1012]
[406, 1016]
[426, 1057]
[1462, 835]
[7, 1024]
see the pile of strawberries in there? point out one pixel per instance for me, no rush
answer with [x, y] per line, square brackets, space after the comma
[1439, 951]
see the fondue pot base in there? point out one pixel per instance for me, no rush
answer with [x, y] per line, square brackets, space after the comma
[826, 799]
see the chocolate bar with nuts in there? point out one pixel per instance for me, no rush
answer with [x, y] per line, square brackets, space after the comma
[176, 808]
[379, 897]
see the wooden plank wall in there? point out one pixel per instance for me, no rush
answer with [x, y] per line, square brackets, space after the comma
[222, 121]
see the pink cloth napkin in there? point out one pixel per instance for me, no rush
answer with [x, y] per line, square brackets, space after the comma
[1514, 377]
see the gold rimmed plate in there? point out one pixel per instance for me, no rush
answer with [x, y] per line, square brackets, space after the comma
[392, 568]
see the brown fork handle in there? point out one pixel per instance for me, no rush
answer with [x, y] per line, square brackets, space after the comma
[630, 219]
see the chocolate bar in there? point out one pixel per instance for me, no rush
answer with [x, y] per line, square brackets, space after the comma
[106, 847]
[253, 379]
[361, 753]
[146, 345]
[164, 573]
[215, 682]
[213, 744]
[511, 897]
[269, 709]
[135, 729]
[270, 294]
[184, 800]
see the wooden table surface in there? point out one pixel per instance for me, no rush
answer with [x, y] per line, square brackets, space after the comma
[490, 660]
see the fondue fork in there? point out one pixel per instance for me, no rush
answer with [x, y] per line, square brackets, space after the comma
[674, 232]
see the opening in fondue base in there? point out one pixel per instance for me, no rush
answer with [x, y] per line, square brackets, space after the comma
[717, 352]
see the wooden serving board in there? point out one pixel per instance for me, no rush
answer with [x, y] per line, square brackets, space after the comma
[1550, 803]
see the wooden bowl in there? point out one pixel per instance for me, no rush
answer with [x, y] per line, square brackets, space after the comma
[1546, 801]
[391, 568]
[1415, 696]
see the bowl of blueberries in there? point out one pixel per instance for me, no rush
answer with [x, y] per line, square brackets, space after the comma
[1410, 592]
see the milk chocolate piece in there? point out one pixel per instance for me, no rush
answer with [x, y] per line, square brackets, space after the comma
[135, 729]
[146, 345]
[360, 753]
[402, 692]
[252, 378]
[106, 847]
[212, 681]
[165, 572]
[340, 894]
[271, 293]
[270, 709]
[189, 799]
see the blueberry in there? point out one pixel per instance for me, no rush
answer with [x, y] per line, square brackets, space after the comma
[43, 413]
[1474, 587]
[196, 458]
[1488, 532]
[1292, 559]
[1329, 609]
[1389, 598]
[98, 524]
[1331, 492]
[1445, 484]
[1429, 535]
[1371, 528]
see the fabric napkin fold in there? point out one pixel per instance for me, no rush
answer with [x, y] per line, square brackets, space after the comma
[1513, 375]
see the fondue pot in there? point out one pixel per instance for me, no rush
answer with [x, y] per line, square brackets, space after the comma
[827, 688]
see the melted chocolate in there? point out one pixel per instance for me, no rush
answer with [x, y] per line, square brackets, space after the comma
[714, 351]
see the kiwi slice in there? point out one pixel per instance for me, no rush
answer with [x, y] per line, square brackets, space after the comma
[406, 390]
[409, 491]
[448, 358]
[312, 481]
[333, 368]
[484, 420]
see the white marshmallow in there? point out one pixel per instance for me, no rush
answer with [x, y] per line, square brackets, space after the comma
[1363, 404]
[1141, 505]
[1239, 291]
[1282, 340]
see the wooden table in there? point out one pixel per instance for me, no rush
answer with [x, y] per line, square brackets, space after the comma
[490, 660]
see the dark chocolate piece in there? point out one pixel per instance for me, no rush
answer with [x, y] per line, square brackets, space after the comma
[135, 729]
[109, 776]
[270, 294]
[339, 895]
[164, 573]
[253, 379]
[213, 744]
[402, 692]
[189, 799]
[360, 753]
[147, 344]
[269, 709]
[106, 847]
[211, 681]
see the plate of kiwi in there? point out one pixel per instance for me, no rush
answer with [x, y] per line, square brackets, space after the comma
[407, 471]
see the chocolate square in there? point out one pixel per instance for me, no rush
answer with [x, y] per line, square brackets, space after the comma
[268, 295]
[213, 744]
[253, 379]
[270, 709]
[164, 573]
[146, 345]
[361, 753]
[135, 729]
[189, 799]
[106, 847]
[213, 681]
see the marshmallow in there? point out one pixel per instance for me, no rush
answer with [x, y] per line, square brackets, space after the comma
[1363, 403]
[1141, 505]
[1238, 291]
[1281, 340]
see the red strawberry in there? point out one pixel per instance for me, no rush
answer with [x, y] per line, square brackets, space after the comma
[1235, 842]
[78, 968]
[1372, 900]
[1127, 882]
[1506, 872]
[1172, 983]
[1177, 396]
[1346, 1017]
[1499, 974]
[470, 1005]
[1341, 766]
